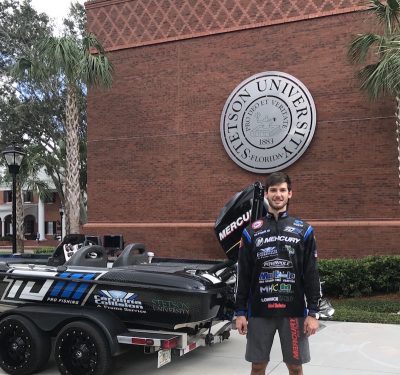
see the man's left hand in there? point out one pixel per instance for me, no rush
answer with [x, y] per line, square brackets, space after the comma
[310, 325]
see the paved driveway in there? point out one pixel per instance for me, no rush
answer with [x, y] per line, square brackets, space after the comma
[337, 349]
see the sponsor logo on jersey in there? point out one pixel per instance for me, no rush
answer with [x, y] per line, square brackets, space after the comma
[290, 249]
[267, 252]
[256, 234]
[257, 224]
[289, 229]
[276, 305]
[298, 223]
[259, 241]
[282, 288]
[286, 298]
[270, 299]
[277, 275]
[278, 263]
[281, 239]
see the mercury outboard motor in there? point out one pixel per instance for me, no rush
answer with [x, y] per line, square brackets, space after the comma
[236, 215]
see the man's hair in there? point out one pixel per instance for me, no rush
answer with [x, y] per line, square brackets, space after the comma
[277, 178]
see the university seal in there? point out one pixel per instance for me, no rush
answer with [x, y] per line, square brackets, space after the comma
[268, 122]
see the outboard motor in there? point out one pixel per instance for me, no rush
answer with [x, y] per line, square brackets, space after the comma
[236, 215]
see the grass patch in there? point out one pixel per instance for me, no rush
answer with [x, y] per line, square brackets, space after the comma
[376, 309]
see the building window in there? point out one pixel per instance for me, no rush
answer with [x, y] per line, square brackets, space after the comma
[28, 196]
[7, 196]
[51, 198]
[50, 227]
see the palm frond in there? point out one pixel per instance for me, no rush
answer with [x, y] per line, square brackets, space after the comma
[387, 14]
[28, 68]
[362, 44]
[90, 42]
[379, 79]
[63, 54]
[97, 70]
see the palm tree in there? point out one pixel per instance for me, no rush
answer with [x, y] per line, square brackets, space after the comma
[381, 76]
[80, 62]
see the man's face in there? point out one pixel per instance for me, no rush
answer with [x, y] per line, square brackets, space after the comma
[278, 196]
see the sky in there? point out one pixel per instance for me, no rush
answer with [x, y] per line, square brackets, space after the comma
[55, 9]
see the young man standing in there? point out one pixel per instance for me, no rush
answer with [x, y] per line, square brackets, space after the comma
[278, 282]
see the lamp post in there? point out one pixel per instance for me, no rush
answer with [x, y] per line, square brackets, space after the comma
[61, 211]
[14, 155]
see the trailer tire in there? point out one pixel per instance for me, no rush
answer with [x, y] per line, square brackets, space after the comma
[24, 348]
[82, 349]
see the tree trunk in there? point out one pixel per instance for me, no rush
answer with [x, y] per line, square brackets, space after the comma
[72, 189]
[398, 136]
[19, 216]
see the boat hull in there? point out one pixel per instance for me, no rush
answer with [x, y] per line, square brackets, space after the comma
[140, 298]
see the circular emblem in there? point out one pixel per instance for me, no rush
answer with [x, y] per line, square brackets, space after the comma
[268, 122]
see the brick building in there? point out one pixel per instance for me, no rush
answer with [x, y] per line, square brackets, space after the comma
[157, 169]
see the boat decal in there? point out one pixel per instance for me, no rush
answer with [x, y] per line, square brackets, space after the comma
[46, 288]
[19, 290]
[73, 289]
[119, 300]
[168, 306]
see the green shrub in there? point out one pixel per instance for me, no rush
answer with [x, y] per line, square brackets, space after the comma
[360, 277]
[368, 311]
[44, 250]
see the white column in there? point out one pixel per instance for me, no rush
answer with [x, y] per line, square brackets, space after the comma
[41, 219]
[3, 227]
[63, 226]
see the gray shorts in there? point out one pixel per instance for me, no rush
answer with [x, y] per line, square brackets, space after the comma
[294, 342]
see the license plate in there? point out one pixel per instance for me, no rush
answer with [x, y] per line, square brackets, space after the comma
[164, 357]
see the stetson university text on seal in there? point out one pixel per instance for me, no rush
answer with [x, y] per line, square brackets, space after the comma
[268, 122]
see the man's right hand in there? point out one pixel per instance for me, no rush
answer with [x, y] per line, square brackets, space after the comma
[241, 324]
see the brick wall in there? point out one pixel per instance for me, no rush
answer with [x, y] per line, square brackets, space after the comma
[157, 170]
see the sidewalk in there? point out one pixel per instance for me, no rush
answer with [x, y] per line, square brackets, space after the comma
[338, 349]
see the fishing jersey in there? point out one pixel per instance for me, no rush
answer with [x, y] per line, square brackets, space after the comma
[277, 268]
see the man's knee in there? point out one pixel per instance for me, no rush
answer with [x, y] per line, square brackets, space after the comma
[258, 368]
[295, 369]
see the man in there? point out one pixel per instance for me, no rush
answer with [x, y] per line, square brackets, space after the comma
[278, 283]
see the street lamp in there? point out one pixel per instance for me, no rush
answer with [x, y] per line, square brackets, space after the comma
[14, 155]
[61, 211]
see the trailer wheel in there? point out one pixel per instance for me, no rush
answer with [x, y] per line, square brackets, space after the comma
[82, 349]
[24, 348]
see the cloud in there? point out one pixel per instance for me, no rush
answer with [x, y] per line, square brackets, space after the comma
[56, 10]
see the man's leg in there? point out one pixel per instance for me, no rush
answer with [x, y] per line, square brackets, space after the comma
[258, 368]
[295, 369]
[294, 342]
[260, 336]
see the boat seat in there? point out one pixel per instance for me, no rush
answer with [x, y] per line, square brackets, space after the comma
[134, 253]
[89, 256]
